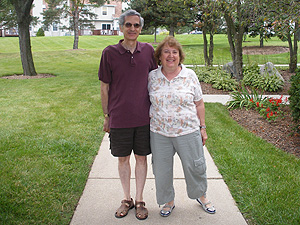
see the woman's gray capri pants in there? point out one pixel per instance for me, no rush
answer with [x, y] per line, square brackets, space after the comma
[190, 150]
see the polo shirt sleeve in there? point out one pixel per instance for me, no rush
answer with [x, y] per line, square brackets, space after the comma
[104, 72]
[153, 61]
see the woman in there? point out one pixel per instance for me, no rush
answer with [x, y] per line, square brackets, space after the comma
[177, 125]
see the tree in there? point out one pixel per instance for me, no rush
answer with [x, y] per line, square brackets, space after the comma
[176, 13]
[208, 19]
[78, 10]
[263, 29]
[170, 14]
[235, 31]
[53, 14]
[238, 15]
[285, 14]
[8, 16]
[23, 8]
[148, 10]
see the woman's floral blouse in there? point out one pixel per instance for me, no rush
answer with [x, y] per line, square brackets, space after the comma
[173, 111]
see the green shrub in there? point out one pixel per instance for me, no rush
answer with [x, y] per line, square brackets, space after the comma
[224, 83]
[294, 99]
[40, 33]
[253, 78]
[204, 74]
[217, 77]
[272, 83]
[244, 99]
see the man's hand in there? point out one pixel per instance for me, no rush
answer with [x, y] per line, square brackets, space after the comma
[106, 125]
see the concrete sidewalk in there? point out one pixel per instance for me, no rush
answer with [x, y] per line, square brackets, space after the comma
[103, 194]
[223, 99]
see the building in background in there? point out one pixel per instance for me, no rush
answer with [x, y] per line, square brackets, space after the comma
[106, 22]
[40, 6]
[107, 19]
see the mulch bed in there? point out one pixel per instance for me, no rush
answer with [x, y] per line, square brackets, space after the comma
[278, 133]
[22, 77]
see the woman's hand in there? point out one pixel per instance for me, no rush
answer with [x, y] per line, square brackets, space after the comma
[203, 135]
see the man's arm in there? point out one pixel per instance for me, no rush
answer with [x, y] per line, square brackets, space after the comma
[104, 103]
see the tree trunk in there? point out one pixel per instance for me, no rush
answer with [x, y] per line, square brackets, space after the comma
[76, 28]
[261, 41]
[235, 38]
[238, 62]
[205, 47]
[230, 32]
[208, 56]
[24, 18]
[211, 49]
[172, 32]
[155, 34]
[25, 50]
[293, 51]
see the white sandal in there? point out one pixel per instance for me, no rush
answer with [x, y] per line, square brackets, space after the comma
[166, 213]
[210, 210]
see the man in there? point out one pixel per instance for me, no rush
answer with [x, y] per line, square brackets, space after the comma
[123, 72]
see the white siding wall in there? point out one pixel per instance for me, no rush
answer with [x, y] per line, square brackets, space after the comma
[101, 19]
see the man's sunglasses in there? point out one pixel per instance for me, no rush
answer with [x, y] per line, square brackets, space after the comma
[136, 25]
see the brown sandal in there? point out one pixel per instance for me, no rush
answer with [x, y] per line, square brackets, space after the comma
[122, 211]
[141, 210]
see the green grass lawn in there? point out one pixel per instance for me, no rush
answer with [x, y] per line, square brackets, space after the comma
[263, 180]
[50, 132]
[192, 45]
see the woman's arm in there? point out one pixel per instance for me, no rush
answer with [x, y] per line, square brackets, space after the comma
[201, 115]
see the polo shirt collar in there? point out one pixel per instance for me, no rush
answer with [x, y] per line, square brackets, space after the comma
[122, 50]
[183, 72]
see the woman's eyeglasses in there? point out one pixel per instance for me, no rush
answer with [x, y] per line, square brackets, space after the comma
[136, 25]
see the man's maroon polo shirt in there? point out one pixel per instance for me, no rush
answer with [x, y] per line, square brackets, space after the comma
[127, 75]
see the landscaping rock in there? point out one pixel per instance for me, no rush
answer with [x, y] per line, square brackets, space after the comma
[269, 69]
[229, 68]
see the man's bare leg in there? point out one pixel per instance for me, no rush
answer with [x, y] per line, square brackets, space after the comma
[125, 173]
[140, 179]
[140, 176]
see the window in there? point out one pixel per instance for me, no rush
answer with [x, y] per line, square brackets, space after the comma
[105, 26]
[104, 11]
[55, 28]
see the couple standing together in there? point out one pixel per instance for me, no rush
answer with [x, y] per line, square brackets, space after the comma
[129, 75]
